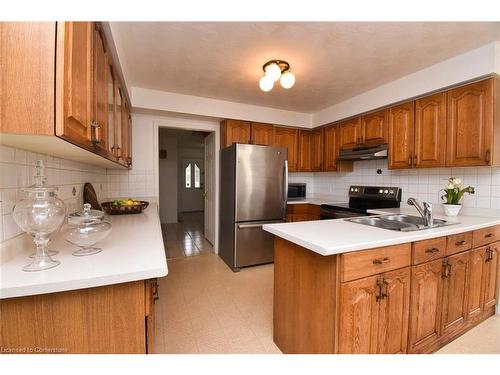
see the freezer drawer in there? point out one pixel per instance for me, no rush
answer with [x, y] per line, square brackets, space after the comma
[252, 244]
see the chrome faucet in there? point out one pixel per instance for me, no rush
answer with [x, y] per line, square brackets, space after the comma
[425, 212]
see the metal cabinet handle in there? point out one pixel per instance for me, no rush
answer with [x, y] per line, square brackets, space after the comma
[488, 235]
[409, 161]
[489, 254]
[444, 274]
[432, 250]
[95, 131]
[383, 291]
[488, 155]
[378, 297]
[460, 243]
[381, 261]
[415, 160]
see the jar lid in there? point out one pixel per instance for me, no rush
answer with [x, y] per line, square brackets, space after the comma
[39, 189]
[86, 216]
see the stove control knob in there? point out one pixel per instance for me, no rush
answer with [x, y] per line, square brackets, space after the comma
[391, 191]
[386, 191]
[356, 190]
[381, 191]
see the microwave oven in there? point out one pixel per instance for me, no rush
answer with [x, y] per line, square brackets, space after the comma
[296, 191]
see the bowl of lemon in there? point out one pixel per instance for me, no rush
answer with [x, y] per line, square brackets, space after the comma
[124, 206]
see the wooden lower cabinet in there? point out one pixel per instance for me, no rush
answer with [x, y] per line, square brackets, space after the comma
[302, 212]
[454, 307]
[359, 312]
[108, 319]
[425, 306]
[413, 307]
[374, 314]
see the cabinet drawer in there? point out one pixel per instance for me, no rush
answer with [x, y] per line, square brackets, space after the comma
[458, 243]
[427, 250]
[485, 236]
[364, 263]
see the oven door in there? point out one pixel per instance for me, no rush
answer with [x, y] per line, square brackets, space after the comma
[327, 214]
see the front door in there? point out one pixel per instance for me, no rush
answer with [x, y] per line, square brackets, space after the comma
[192, 185]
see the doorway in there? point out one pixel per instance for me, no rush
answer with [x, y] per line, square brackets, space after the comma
[185, 191]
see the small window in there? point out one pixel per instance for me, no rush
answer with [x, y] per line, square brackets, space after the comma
[188, 176]
[197, 179]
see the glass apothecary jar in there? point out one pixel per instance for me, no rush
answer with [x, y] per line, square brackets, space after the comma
[40, 214]
[84, 229]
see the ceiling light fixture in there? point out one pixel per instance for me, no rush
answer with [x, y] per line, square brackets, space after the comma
[275, 70]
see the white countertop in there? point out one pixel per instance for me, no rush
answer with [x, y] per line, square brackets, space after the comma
[133, 251]
[329, 237]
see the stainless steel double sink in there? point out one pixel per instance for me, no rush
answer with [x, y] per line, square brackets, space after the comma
[400, 223]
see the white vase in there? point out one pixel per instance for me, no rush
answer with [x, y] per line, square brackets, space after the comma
[452, 209]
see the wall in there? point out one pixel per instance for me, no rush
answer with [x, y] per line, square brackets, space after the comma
[423, 184]
[17, 170]
[168, 180]
[476, 63]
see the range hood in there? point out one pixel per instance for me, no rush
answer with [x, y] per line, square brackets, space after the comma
[364, 153]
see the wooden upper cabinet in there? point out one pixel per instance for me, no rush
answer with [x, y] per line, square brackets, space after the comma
[392, 337]
[470, 125]
[374, 128]
[288, 138]
[331, 148]
[350, 133]
[261, 134]
[359, 316]
[317, 137]
[401, 135]
[235, 131]
[454, 313]
[426, 300]
[27, 68]
[99, 130]
[304, 153]
[77, 82]
[430, 131]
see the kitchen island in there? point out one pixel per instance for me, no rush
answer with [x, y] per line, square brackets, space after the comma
[101, 303]
[342, 287]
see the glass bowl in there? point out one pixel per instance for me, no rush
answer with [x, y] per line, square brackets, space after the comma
[84, 229]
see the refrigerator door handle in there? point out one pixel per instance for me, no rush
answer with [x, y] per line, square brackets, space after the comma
[259, 224]
[285, 187]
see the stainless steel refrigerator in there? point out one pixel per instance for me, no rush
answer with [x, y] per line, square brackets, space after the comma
[253, 192]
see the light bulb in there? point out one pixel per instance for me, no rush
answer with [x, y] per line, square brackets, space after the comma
[266, 84]
[287, 80]
[273, 71]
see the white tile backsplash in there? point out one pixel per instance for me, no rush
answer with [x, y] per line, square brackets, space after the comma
[17, 170]
[424, 184]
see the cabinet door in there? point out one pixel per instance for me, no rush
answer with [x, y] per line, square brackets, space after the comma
[112, 141]
[491, 277]
[455, 293]
[350, 133]
[125, 133]
[477, 275]
[129, 128]
[470, 125]
[392, 335]
[331, 148]
[77, 65]
[401, 136]
[118, 121]
[235, 131]
[317, 137]
[374, 128]
[100, 132]
[304, 154]
[262, 134]
[425, 305]
[430, 131]
[359, 316]
[288, 138]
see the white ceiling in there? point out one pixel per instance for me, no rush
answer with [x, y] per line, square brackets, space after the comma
[332, 61]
